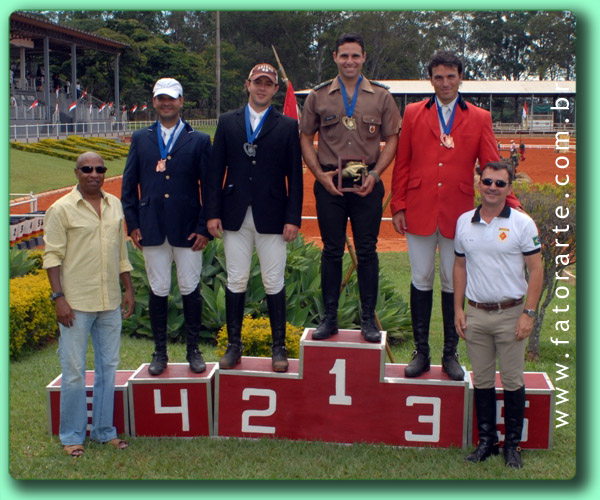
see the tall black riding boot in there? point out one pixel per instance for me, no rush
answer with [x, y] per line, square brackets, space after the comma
[192, 314]
[514, 413]
[234, 313]
[157, 309]
[277, 314]
[420, 313]
[331, 282]
[368, 287]
[485, 409]
[450, 364]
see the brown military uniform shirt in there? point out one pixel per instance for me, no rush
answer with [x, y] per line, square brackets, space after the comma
[376, 115]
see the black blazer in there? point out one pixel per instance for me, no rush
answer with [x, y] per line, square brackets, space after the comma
[271, 181]
[168, 204]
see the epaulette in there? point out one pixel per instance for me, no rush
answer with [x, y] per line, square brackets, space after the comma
[379, 84]
[323, 84]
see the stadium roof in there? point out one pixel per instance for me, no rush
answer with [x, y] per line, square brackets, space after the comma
[30, 27]
[481, 87]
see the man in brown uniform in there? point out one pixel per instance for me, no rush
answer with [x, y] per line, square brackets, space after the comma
[352, 116]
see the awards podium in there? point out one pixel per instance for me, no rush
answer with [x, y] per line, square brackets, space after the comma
[340, 390]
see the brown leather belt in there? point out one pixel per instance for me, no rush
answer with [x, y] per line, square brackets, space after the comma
[495, 306]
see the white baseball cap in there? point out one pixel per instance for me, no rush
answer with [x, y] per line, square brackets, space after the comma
[168, 86]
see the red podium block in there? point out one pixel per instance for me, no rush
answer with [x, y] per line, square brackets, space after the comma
[341, 390]
[176, 403]
[539, 411]
[121, 408]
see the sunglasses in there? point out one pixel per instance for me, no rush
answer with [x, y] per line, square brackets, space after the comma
[88, 170]
[499, 183]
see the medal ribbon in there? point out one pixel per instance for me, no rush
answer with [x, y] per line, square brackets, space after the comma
[250, 136]
[164, 149]
[446, 127]
[350, 106]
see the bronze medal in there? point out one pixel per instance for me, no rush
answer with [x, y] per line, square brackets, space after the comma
[447, 141]
[161, 165]
[349, 122]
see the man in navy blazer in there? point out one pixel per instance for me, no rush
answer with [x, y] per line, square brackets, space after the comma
[254, 200]
[164, 215]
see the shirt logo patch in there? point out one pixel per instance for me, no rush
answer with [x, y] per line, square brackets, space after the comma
[536, 240]
[372, 129]
[502, 235]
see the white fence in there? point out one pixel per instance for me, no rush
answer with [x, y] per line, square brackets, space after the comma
[35, 131]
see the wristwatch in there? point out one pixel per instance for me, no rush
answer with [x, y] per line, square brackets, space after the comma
[375, 175]
[529, 312]
[56, 295]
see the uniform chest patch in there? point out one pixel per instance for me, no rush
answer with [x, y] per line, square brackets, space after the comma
[503, 233]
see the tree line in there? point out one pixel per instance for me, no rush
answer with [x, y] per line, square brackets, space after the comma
[509, 45]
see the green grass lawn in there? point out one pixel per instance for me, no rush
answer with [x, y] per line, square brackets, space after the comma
[36, 173]
[34, 454]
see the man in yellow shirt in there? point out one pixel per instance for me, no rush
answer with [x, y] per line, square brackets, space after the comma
[84, 257]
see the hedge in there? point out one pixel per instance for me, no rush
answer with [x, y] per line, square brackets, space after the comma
[32, 316]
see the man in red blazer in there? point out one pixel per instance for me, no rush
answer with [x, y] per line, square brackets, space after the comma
[432, 185]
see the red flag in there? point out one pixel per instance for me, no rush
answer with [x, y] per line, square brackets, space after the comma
[73, 106]
[35, 104]
[290, 107]
[134, 108]
[524, 111]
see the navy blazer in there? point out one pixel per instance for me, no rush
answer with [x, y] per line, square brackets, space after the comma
[271, 181]
[168, 203]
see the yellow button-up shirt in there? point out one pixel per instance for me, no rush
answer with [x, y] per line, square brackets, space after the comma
[90, 250]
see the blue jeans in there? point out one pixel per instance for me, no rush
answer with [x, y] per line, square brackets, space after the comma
[105, 328]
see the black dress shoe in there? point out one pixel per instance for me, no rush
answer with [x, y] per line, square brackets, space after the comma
[158, 364]
[196, 361]
[482, 452]
[420, 364]
[512, 457]
[327, 327]
[451, 366]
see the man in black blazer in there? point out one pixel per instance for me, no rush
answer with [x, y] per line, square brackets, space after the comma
[165, 219]
[254, 200]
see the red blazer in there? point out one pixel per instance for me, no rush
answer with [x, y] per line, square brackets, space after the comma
[435, 184]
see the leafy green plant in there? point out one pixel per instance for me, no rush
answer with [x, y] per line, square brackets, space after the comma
[303, 293]
[22, 262]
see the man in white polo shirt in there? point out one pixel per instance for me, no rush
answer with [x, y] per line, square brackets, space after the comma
[493, 245]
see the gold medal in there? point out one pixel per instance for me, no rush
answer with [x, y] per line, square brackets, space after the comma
[161, 165]
[447, 141]
[349, 122]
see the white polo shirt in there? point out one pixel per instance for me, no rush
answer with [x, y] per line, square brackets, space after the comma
[495, 252]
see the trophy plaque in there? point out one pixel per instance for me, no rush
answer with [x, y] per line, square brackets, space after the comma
[351, 174]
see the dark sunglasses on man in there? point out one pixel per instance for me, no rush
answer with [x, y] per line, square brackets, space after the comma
[88, 170]
[499, 183]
